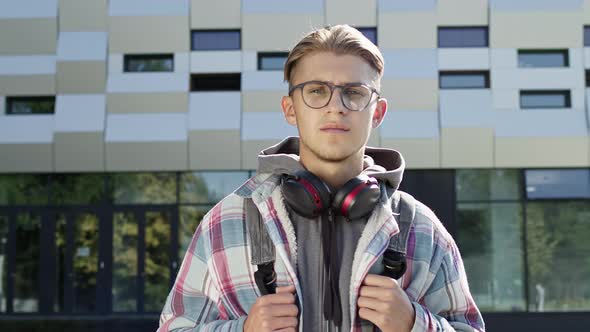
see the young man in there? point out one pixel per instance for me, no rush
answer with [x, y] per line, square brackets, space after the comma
[327, 260]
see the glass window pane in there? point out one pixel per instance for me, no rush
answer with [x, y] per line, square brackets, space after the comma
[489, 237]
[3, 261]
[23, 189]
[26, 278]
[125, 230]
[143, 188]
[216, 82]
[209, 187]
[557, 183]
[190, 217]
[149, 63]
[454, 80]
[463, 37]
[586, 36]
[77, 189]
[557, 236]
[216, 40]
[545, 99]
[85, 264]
[30, 105]
[157, 260]
[271, 61]
[60, 263]
[370, 33]
[543, 58]
[487, 184]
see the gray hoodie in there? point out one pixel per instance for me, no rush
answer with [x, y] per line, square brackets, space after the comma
[383, 164]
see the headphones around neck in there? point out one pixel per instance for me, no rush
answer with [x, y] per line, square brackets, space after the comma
[309, 196]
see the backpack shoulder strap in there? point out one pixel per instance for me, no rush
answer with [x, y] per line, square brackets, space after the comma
[405, 205]
[262, 250]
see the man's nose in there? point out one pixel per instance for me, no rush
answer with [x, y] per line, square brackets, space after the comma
[335, 104]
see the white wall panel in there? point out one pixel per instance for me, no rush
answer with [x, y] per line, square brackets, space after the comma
[540, 123]
[28, 8]
[148, 7]
[249, 61]
[214, 110]
[263, 80]
[410, 124]
[27, 65]
[146, 127]
[265, 126]
[26, 129]
[80, 113]
[401, 5]
[282, 6]
[463, 58]
[465, 107]
[216, 62]
[410, 63]
[530, 5]
[147, 82]
[82, 46]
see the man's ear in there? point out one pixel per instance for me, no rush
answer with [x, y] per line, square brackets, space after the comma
[379, 114]
[289, 110]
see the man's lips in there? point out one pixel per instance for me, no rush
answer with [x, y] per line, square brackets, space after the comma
[334, 128]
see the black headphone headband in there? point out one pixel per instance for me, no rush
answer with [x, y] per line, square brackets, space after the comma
[309, 196]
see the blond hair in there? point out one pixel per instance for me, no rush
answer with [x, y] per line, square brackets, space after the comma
[338, 39]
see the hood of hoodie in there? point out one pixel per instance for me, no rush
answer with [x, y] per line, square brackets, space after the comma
[386, 165]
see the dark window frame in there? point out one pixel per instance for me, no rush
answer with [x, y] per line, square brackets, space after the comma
[262, 55]
[485, 28]
[156, 56]
[586, 35]
[566, 93]
[11, 100]
[196, 31]
[563, 52]
[485, 73]
[216, 82]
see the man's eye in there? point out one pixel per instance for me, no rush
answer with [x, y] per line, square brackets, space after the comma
[317, 91]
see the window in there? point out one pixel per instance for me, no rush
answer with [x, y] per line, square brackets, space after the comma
[30, 105]
[543, 58]
[462, 37]
[215, 40]
[370, 33]
[551, 184]
[149, 63]
[272, 61]
[587, 35]
[464, 79]
[216, 82]
[545, 99]
[587, 77]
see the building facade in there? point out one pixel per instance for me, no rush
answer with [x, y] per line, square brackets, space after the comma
[123, 121]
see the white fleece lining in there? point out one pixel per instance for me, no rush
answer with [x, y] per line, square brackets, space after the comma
[279, 202]
[378, 218]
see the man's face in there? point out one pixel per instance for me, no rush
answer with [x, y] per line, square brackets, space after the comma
[333, 133]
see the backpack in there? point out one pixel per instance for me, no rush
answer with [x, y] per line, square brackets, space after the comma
[263, 251]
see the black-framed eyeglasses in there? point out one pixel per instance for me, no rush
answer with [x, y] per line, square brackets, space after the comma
[317, 94]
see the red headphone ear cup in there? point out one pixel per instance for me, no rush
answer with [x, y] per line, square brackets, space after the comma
[357, 197]
[306, 194]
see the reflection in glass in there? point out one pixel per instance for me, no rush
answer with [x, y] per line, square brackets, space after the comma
[208, 40]
[124, 262]
[157, 260]
[149, 63]
[77, 189]
[190, 217]
[23, 189]
[489, 237]
[464, 80]
[271, 61]
[536, 58]
[3, 261]
[143, 188]
[462, 36]
[557, 248]
[60, 263]
[545, 99]
[209, 187]
[557, 183]
[26, 283]
[487, 184]
[85, 262]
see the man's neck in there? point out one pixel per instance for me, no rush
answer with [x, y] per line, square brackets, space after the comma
[335, 174]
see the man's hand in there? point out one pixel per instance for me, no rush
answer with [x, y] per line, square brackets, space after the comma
[384, 303]
[274, 312]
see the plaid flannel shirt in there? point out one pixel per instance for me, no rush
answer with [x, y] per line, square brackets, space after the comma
[215, 286]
